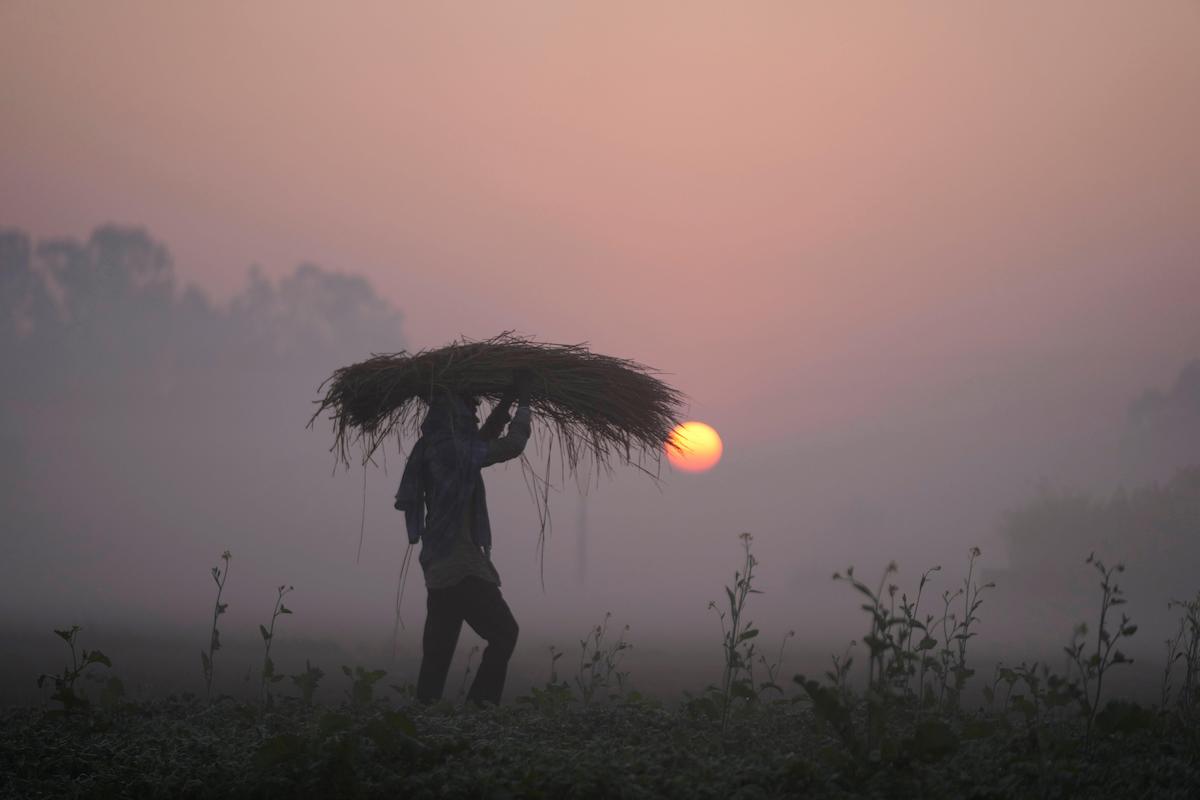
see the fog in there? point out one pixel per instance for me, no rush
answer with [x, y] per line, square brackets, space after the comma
[931, 276]
[149, 429]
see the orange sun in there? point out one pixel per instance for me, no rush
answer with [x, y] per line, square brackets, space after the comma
[694, 447]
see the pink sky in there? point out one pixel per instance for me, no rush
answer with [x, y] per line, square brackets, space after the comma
[908, 259]
[817, 217]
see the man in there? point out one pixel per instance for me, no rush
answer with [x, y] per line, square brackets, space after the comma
[442, 496]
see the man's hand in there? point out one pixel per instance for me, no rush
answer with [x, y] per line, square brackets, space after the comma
[508, 398]
[523, 380]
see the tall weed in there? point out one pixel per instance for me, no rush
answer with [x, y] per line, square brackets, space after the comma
[1091, 668]
[269, 675]
[1186, 648]
[219, 577]
[737, 635]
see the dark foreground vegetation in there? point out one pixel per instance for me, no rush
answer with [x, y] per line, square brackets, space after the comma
[907, 730]
[179, 748]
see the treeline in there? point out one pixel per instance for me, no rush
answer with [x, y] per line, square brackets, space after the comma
[1155, 528]
[1163, 426]
[108, 315]
[140, 415]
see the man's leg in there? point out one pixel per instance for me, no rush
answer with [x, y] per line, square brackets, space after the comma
[443, 621]
[488, 615]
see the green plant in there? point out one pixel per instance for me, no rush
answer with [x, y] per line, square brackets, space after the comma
[834, 704]
[555, 695]
[64, 683]
[599, 661]
[1028, 740]
[330, 755]
[1000, 673]
[737, 680]
[950, 663]
[885, 663]
[888, 667]
[406, 691]
[943, 663]
[1044, 692]
[839, 676]
[362, 689]
[899, 646]
[772, 668]
[269, 675]
[879, 639]
[307, 681]
[1186, 647]
[914, 654]
[219, 577]
[1174, 653]
[1105, 655]
[971, 592]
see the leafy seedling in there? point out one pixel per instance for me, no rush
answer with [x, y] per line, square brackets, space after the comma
[65, 692]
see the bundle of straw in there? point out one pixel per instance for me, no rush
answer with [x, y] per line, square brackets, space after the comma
[595, 405]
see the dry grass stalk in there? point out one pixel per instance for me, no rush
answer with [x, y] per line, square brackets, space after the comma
[598, 407]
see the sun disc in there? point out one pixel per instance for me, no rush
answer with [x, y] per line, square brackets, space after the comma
[694, 447]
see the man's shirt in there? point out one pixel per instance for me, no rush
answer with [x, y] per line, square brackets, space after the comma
[456, 541]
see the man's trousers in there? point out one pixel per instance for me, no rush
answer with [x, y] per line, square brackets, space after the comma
[478, 603]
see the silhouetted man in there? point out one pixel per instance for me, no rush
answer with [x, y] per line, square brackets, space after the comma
[442, 496]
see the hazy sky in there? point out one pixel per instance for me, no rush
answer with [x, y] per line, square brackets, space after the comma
[809, 213]
[831, 223]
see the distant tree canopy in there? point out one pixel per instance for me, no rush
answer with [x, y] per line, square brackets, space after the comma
[1163, 427]
[1155, 528]
[107, 314]
[1156, 409]
[141, 417]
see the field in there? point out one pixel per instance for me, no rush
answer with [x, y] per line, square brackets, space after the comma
[902, 713]
[180, 748]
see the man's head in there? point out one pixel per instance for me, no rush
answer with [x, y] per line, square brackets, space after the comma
[449, 412]
[469, 408]
[470, 401]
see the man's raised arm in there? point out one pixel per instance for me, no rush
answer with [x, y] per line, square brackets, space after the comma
[494, 425]
[512, 444]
